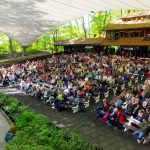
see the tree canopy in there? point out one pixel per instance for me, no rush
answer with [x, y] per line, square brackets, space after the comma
[90, 25]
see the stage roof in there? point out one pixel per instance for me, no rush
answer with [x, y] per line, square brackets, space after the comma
[87, 41]
[26, 20]
[130, 41]
[127, 42]
[127, 25]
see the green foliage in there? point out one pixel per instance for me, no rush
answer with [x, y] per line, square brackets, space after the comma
[12, 107]
[72, 30]
[43, 43]
[101, 19]
[28, 147]
[22, 108]
[27, 118]
[35, 133]
[91, 25]
[4, 100]
[4, 49]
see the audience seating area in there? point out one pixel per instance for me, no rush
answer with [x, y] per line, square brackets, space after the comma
[120, 86]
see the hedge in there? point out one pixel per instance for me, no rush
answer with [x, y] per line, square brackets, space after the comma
[34, 132]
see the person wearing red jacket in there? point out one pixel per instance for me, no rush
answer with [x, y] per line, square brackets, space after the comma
[117, 118]
[148, 74]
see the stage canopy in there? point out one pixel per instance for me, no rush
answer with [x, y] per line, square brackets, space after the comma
[26, 20]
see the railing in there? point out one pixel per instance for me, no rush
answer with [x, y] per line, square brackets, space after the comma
[113, 38]
[147, 37]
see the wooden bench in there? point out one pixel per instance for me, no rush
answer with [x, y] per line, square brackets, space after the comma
[122, 86]
[72, 107]
[132, 124]
[106, 94]
[96, 98]
[86, 101]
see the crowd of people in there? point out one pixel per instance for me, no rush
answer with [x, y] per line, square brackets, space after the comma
[133, 103]
[70, 79]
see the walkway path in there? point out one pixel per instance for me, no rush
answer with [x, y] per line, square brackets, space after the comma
[86, 125]
[4, 126]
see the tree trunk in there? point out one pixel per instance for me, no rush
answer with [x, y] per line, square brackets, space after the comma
[105, 17]
[100, 24]
[23, 50]
[77, 25]
[84, 28]
[129, 11]
[89, 26]
[44, 43]
[55, 39]
[121, 12]
[103, 22]
[11, 47]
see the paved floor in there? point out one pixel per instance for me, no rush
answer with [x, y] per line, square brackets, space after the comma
[4, 126]
[86, 125]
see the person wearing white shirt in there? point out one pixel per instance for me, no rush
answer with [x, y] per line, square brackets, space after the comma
[69, 85]
[66, 90]
[12, 78]
[104, 77]
[22, 84]
[109, 79]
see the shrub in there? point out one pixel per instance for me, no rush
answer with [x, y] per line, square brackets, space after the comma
[28, 147]
[35, 133]
[4, 100]
[30, 118]
[12, 107]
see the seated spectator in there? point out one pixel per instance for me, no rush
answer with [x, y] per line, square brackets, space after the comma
[145, 103]
[146, 114]
[6, 81]
[144, 129]
[128, 95]
[116, 118]
[102, 109]
[140, 115]
[136, 108]
[65, 80]
[128, 109]
[118, 103]
[135, 100]
[28, 88]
